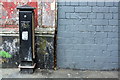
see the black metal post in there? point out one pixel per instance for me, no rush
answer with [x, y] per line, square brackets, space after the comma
[27, 38]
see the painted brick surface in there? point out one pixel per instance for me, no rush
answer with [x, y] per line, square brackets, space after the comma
[82, 9]
[101, 9]
[88, 35]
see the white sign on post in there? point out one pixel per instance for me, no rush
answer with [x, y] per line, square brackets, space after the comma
[25, 35]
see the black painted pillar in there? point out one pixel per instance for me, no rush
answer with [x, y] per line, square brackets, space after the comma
[27, 38]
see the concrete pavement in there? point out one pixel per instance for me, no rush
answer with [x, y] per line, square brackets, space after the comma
[60, 73]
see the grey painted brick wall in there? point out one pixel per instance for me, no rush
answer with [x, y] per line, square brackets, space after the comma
[87, 35]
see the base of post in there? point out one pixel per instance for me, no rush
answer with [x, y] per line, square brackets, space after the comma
[27, 69]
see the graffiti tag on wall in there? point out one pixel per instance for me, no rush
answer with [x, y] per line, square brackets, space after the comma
[9, 52]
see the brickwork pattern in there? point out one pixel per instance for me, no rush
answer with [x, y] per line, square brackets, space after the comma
[87, 35]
